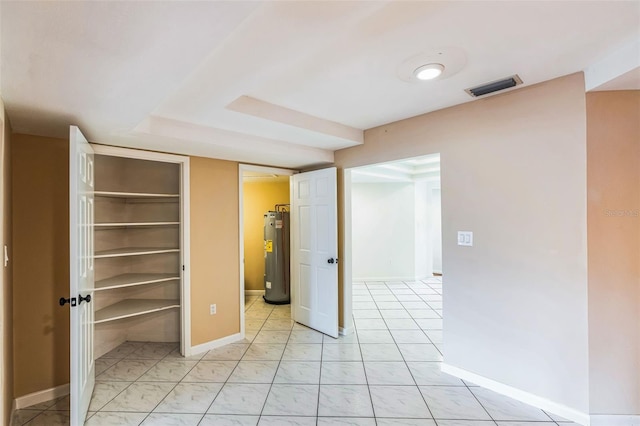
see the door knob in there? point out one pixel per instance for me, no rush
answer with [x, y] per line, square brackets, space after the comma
[331, 260]
[81, 299]
[71, 301]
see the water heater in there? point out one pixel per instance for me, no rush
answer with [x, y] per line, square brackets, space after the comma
[276, 256]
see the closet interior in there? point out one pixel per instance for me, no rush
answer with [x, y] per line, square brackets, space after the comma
[137, 251]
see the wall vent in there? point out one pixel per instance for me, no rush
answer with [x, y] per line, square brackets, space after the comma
[494, 86]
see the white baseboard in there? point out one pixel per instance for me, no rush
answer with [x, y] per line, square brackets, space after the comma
[253, 292]
[520, 395]
[40, 396]
[345, 331]
[215, 344]
[615, 420]
[422, 277]
[354, 279]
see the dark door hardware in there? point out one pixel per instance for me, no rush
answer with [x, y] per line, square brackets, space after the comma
[71, 301]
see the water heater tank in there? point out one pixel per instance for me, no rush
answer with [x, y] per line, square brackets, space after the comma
[276, 258]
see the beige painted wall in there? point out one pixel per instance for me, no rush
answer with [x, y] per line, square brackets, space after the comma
[40, 194]
[513, 172]
[613, 217]
[259, 197]
[215, 265]
[7, 296]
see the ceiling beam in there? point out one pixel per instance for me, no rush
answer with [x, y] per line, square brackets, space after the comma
[290, 117]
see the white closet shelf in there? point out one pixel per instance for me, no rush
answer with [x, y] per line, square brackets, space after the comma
[133, 279]
[133, 307]
[133, 251]
[133, 224]
[133, 195]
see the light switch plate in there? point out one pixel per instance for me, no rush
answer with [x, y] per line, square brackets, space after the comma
[465, 238]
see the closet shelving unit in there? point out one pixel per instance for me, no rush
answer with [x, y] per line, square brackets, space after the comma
[138, 248]
[128, 308]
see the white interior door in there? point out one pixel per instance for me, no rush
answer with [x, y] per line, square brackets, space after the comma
[81, 207]
[436, 231]
[314, 242]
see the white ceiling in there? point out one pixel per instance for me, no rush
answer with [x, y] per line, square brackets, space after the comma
[260, 177]
[276, 82]
[410, 170]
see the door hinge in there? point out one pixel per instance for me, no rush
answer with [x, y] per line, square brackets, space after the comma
[183, 267]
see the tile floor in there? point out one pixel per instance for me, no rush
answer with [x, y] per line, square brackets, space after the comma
[387, 373]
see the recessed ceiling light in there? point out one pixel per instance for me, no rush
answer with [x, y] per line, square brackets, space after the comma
[445, 61]
[428, 72]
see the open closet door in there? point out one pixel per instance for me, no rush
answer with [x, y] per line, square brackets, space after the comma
[81, 207]
[314, 235]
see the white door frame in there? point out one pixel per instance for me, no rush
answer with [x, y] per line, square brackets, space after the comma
[433, 186]
[185, 239]
[241, 169]
[2, 254]
[346, 260]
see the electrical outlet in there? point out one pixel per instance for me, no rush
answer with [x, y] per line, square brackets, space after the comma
[212, 309]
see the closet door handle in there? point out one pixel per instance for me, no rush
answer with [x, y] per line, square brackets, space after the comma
[71, 301]
[81, 299]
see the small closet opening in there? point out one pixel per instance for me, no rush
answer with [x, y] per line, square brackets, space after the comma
[138, 253]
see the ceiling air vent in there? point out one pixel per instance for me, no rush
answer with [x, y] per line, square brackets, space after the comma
[494, 86]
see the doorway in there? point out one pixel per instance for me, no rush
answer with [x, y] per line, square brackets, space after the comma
[393, 239]
[313, 246]
[260, 190]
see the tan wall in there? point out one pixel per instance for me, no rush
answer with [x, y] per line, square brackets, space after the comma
[613, 217]
[40, 191]
[215, 267]
[259, 197]
[513, 172]
[7, 296]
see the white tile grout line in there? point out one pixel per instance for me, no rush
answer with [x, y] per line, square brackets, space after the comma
[285, 346]
[479, 402]
[176, 385]
[366, 378]
[407, 365]
[129, 385]
[319, 377]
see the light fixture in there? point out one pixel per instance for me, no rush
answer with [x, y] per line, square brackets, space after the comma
[440, 62]
[428, 72]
